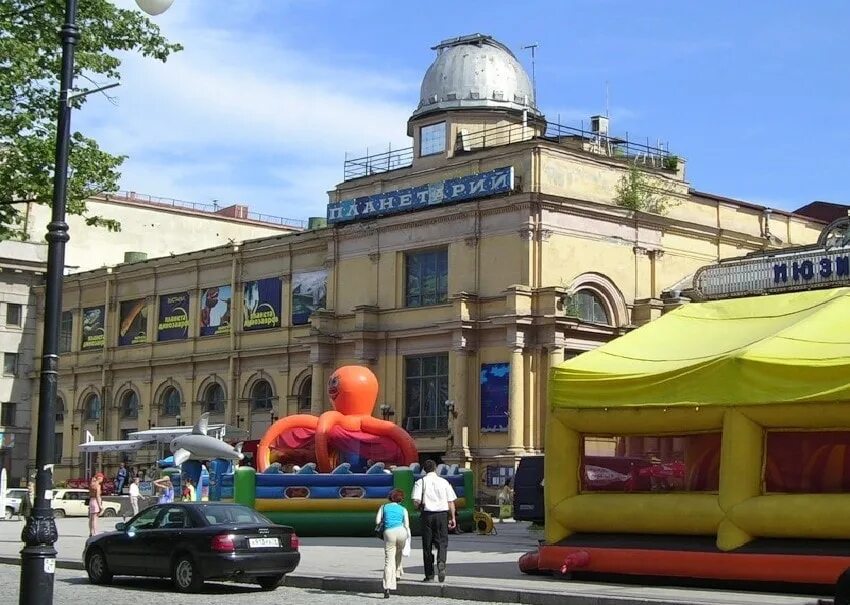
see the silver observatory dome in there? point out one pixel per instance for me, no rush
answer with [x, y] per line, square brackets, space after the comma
[475, 72]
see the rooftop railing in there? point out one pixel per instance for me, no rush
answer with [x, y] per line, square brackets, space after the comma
[633, 150]
[212, 209]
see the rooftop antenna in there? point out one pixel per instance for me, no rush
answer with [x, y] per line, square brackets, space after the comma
[607, 113]
[533, 48]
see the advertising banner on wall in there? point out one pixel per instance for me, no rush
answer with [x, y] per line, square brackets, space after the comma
[495, 378]
[215, 311]
[309, 292]
[94, 333]
[261, 304]
[173, 321]
[133, 329]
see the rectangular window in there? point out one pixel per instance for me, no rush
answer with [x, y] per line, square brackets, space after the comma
[65, 330]
[432, 139]
[57, 448]
[807, 462]
[426, 389]
[666, 463]
[426, 276]
[7, 414]
[13, 314]
[10, 364]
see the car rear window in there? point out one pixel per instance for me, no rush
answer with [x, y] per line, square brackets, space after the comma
[228, 515]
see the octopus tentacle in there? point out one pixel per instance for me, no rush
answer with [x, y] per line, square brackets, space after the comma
[284, 424]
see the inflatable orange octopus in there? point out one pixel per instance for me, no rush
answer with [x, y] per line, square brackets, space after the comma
[348, 433]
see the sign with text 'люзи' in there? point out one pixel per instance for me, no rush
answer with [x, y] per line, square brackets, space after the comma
[483, 184]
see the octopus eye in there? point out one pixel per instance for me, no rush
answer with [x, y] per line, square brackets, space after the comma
[333, 386]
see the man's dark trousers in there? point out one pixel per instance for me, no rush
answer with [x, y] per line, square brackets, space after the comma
[435, 532]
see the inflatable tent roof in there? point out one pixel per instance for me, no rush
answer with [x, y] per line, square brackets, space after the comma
[775, 349]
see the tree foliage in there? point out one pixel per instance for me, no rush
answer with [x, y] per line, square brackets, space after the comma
[637, 191]
[30, 62]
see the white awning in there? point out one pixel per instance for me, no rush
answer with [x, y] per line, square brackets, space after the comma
[165, 434]
[114, 446]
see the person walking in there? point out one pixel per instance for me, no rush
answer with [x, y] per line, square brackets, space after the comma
[134, 495]
[120, 480]
[435, 498]
[396, 534]
[95, 502]
[167, 487]
[189, 491]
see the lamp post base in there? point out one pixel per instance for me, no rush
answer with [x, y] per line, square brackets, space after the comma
[38, 560]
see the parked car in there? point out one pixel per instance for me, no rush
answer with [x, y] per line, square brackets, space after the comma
[75, 503]
[14, 499]
[192, 543]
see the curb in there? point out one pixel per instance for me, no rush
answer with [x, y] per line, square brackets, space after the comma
[433, 590]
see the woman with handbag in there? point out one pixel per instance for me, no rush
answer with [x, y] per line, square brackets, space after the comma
[393, 525]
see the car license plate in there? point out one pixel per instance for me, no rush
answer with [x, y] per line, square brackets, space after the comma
[263, 542]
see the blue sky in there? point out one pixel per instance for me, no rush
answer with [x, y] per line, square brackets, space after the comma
[269, 95]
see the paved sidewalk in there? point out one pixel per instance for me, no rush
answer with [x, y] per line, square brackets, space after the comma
[481, 568]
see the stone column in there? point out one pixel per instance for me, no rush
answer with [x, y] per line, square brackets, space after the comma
[516, 407]
[553, 357]
[458, 386]
[318, 392]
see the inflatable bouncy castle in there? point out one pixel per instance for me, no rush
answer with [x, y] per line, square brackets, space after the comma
[349, 433]
[329, 474]
[722, 431]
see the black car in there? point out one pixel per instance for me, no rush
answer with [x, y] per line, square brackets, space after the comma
[194, 542]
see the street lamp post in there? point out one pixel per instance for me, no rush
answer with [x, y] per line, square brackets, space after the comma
[38, 557]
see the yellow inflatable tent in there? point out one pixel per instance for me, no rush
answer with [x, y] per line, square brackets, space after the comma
[743, 370]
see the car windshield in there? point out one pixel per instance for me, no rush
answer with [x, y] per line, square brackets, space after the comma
[228, 515]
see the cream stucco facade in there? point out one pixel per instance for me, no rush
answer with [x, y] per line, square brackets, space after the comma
[547, 270]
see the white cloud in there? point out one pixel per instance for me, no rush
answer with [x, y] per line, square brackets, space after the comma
[240, 117]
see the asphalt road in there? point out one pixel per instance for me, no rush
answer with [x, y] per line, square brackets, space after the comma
[72, 588]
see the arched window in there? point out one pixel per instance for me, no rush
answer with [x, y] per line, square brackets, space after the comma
[170, 402]
[60, 412]
[214, 399]
[589, 306]
[261, 396]
[91, 407]
[305, 394]
[130, 405]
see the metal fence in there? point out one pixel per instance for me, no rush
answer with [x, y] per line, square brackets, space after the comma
[633, 150]
[214, 208]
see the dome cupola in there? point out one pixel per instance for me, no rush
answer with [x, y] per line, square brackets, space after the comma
[475, 72]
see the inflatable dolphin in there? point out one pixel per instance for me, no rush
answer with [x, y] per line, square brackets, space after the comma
[200, 446]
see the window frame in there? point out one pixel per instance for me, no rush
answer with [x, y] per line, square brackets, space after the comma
[596, 300]
[16, 358]
[8, 413]
[205, 400]
[66, 337]
[424, 138]
[268, 400]
[304, 399]
[20, 311]
[413, 423]
[131, 415]
[164, 402]
[440, 257]
[87, 415]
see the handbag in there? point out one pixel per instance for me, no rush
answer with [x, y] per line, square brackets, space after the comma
[380, 526]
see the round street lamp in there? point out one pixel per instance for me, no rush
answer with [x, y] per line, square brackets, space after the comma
[154, 7]
[38, 557]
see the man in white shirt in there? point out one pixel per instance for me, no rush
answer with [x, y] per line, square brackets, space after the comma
[435, 498]
[134, 495]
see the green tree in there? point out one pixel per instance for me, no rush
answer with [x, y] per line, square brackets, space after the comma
[30, 60]
[637, 191]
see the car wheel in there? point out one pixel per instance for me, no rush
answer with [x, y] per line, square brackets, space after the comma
[58, 513]
[109, 512]
[269, 582]
[9, 512]
[97, 568]
[185, 575]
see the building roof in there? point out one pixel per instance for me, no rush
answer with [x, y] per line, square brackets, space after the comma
[742, 203]
[824, 211]
[475, 72]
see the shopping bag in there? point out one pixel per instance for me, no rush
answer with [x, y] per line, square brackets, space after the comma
[405, 552]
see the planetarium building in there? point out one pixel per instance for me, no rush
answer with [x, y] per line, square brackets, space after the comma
[459, 270]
